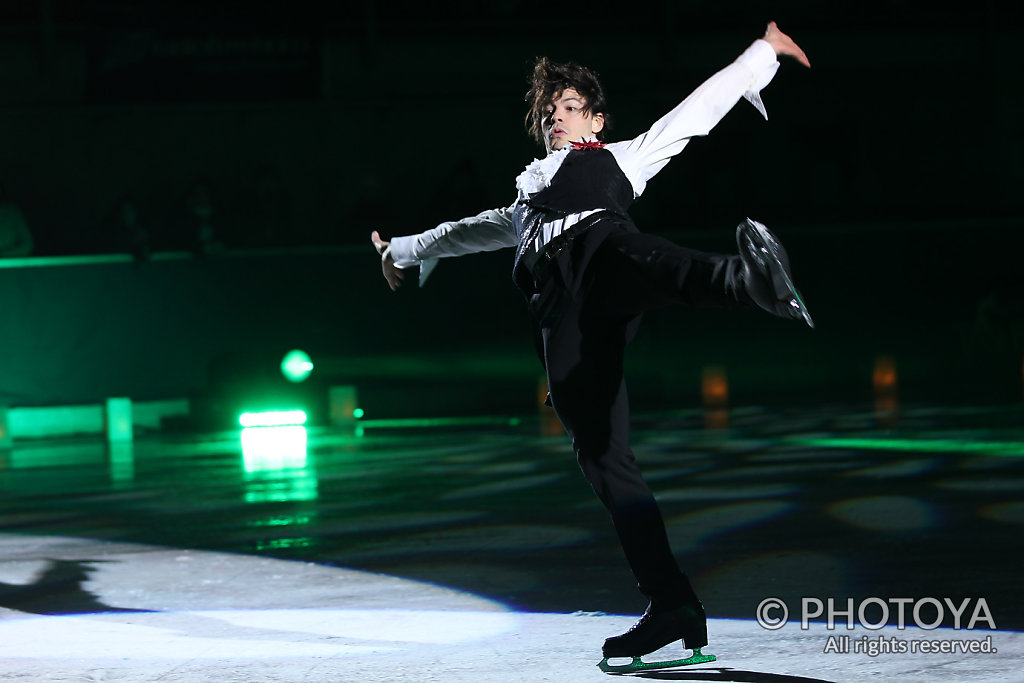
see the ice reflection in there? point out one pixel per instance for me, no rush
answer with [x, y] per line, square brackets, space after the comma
[277, 465]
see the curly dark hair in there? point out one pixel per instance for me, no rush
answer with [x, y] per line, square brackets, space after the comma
[550, 78]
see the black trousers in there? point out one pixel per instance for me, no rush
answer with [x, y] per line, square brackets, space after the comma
[584, 331]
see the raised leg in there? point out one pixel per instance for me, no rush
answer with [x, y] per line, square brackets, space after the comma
[636, 272]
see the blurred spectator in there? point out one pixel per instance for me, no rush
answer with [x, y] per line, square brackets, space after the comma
[126, 232]
[132, 231]
[263, 212]
[200, 203]
[193, 227]
[15, 238]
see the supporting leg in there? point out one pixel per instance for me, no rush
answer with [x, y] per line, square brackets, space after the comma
[583, 355]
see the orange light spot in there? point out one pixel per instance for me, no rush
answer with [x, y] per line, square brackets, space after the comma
[885, 376]
[715, 395]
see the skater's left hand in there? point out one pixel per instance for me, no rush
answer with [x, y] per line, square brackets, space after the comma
[784, 45]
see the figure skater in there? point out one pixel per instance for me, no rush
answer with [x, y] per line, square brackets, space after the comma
[588, 274]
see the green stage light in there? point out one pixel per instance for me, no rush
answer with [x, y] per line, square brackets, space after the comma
[277, 418]
[296, 365]
[358, 413]
[277, 465]
[274, 449]
[1008, 448]
[401, 423]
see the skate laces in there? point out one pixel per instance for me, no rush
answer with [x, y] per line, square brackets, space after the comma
[647, 616]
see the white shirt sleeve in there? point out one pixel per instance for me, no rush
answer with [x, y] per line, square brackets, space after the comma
[642, 157]
[488, 231]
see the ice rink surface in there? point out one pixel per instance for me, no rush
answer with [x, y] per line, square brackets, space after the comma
[447, 554]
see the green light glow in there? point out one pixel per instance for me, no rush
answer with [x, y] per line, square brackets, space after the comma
[272, 449]
[296, 365]
[121, 460]
[281, 520]
[279, 418]
[443, 422]
[277, 466]
[284, 543]
[919, 445]
[358, 413]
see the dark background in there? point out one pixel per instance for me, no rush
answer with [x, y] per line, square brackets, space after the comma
[891, 170]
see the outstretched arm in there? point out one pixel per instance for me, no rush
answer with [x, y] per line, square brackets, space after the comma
[642, 157]
[487, 231]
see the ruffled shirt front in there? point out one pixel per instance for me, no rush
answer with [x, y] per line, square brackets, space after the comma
[539, 172]
[535, 178]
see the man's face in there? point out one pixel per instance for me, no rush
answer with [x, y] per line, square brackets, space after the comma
[565, 121]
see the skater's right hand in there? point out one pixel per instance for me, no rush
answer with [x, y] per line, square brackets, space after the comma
[392, 274]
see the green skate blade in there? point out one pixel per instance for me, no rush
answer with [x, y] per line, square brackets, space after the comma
[639, 665]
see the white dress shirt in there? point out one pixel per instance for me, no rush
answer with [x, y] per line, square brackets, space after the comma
[639, 159]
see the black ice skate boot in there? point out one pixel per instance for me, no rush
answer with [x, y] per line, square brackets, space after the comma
[768, 280]
[656, 629]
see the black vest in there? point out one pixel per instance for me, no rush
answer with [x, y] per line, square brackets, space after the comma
[587, 179]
